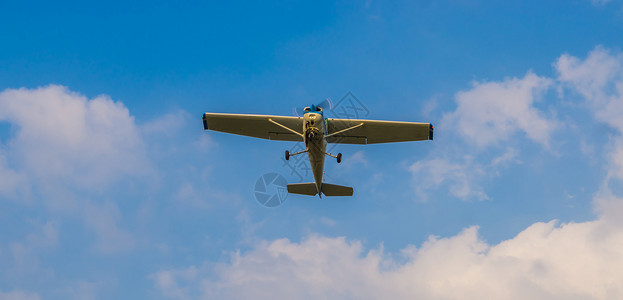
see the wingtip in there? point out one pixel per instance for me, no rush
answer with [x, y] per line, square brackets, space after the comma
[430, 131]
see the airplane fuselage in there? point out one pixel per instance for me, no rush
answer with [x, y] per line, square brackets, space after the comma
[315, 132]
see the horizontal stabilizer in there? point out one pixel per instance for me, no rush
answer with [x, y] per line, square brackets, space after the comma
[336, 190]
[309, 189]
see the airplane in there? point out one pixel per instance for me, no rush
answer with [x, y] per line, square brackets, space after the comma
[316, 131]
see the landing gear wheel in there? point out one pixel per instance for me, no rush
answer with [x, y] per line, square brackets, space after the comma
[287, 155]
[339, 158]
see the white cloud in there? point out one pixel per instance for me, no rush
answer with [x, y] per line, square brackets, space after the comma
[599, 79]
[46, 237]
[486, 115]
[63, 137]
[327, 221]
[509, 156]
[459, 178]
[82, 290]
[355, 160]
[67, 149]
[104, 220]
[23, 260]
[12, 184]
[168, 125]
[187, 195]
[615, 157]
[160, 131]
[167, 282]
[545, 261]
[493, 111]
[71, 154]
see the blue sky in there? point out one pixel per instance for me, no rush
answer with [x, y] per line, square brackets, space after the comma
[110, 188]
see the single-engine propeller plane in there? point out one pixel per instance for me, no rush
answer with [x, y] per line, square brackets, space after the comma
[316, 131]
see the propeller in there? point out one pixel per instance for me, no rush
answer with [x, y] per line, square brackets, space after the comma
[325, 105]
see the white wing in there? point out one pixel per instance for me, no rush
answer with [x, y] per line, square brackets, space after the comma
[259, 126]
[374, 132]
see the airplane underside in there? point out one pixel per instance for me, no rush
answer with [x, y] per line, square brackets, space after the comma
[316, 132]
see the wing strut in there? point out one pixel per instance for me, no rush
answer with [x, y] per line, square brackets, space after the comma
[286, 128]
[344, 130]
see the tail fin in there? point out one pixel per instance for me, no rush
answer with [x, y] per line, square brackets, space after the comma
[327, 189]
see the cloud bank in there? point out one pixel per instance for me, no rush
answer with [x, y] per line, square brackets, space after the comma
[545, 261]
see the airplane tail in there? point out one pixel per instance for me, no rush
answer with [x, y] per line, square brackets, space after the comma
[309, 188]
